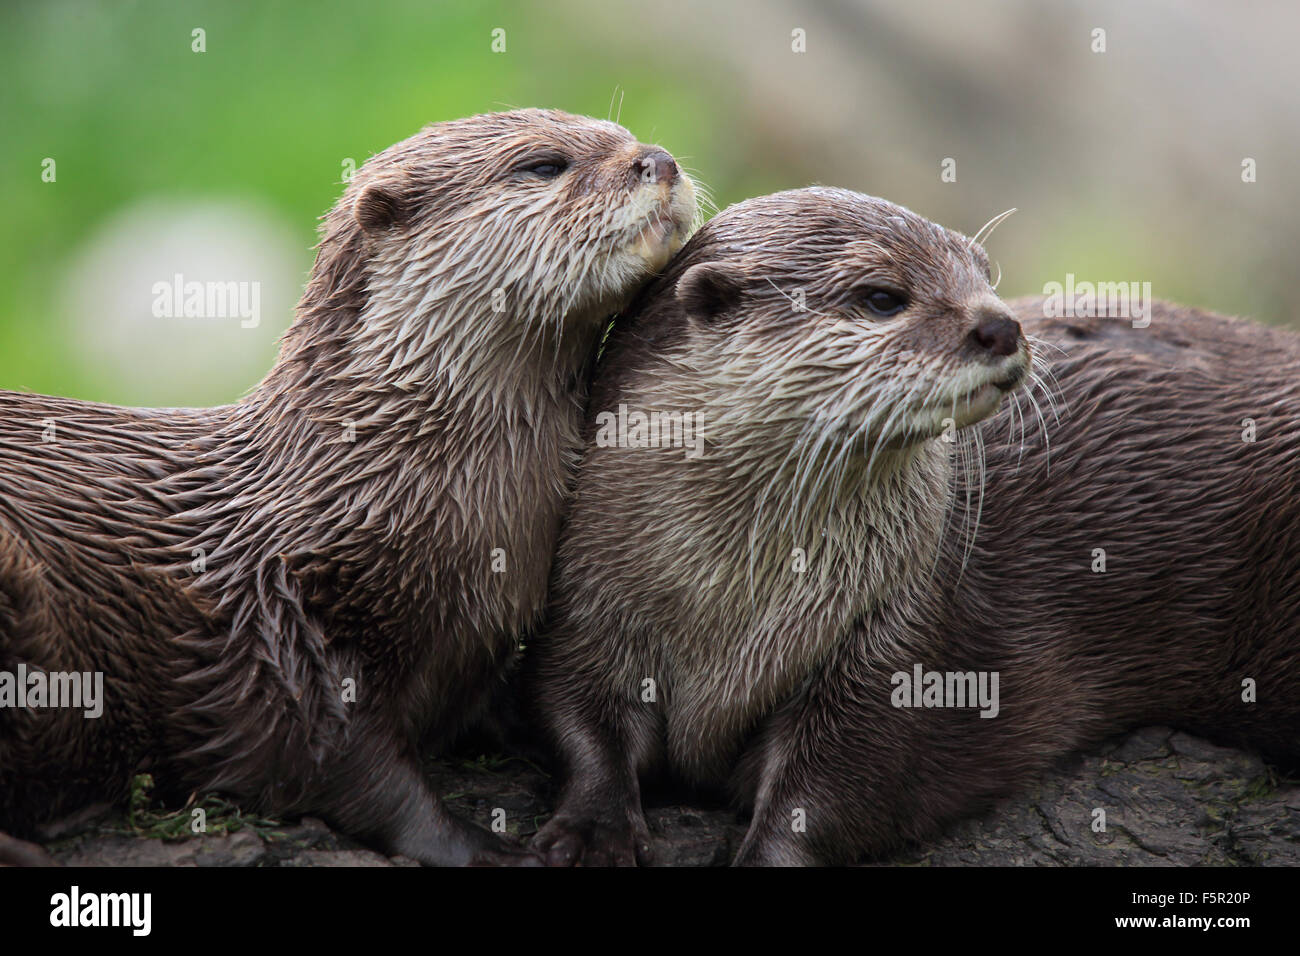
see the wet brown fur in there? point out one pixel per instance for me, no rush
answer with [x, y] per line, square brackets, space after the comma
[1201, 591]
[1201, 532]
[346, 511]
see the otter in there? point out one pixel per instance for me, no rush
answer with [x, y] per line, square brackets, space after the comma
[748, 619]
[823, 336]
[281, 596]
[1139, 564]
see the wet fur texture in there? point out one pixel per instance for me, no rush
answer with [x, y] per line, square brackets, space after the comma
[425, 410]
[776, 686]
[1201, 591]
[677, 570]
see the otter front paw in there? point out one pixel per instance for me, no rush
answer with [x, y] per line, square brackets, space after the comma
[571, 840]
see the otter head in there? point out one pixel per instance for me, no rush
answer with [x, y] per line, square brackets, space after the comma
[511, 221]
[826, 322]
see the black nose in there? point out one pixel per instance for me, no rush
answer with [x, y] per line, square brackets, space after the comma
[996, 333]
[656, 166]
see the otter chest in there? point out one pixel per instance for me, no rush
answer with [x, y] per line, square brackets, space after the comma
[763, 629]
[728, 671]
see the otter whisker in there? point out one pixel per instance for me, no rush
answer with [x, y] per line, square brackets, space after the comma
[978, 437]
[1052, 393]
[1016, 417]
[900, 409]
[1047, 441]
[986, 230]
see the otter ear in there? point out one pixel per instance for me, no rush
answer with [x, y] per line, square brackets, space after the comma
[707, 290]
[380, 207]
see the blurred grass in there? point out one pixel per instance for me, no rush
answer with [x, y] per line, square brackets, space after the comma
[287, 90]
[283, 94]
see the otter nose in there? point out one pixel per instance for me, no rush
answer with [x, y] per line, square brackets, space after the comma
[997, 333]
[656, 166]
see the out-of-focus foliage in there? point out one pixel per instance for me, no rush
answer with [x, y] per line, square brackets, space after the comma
[1125, 164]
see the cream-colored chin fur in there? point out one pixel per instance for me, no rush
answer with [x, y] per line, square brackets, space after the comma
[666, 222]
[963, 411]
[972, 398]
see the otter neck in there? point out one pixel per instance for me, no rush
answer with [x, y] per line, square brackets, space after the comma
[476, 362]
[402, 469]
[828, 514]
[877, 527]
[786, 579]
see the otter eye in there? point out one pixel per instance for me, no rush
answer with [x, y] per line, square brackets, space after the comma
[884, 303]
[547, 167]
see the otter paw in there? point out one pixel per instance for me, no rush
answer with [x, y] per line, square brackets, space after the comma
[570, 841]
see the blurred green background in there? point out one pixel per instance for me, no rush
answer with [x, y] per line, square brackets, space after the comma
[1125, 165]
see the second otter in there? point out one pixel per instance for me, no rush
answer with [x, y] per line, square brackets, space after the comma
[746, 622]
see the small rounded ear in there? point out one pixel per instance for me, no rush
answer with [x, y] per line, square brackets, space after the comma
[707, 290]
[380, 207]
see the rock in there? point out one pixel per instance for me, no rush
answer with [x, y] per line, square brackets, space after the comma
[244, 848]
[238, 849]
[684, 836]
[1169, 799]
[340, 858]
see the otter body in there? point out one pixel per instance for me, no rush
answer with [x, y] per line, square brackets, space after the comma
[749, 611]
[693, 595]
[283, 594]
[1193, 621]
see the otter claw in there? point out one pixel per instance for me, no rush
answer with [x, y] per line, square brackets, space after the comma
[592, 844]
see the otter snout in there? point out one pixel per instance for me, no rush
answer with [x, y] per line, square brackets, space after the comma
[996, 333]
[663, 204]
[655, 166]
